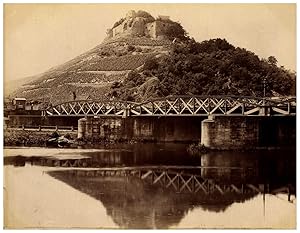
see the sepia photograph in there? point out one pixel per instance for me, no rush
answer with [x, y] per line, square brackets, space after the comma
[149, 116]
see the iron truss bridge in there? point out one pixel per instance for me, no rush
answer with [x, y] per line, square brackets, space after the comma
[178, 106]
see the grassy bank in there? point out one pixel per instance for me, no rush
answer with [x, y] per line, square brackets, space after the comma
[17, 137]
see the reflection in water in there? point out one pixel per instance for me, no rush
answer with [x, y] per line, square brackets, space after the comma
[161, 198]
[135, 204]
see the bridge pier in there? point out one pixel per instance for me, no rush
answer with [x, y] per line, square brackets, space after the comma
[100, 127]
[81, 128]
[248, 132]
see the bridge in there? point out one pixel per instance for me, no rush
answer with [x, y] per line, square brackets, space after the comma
[187, 105]
[232, 122]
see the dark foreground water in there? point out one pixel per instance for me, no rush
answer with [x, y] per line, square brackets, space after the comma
[59, 188]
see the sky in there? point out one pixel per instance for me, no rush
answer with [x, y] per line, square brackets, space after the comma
[40, 36]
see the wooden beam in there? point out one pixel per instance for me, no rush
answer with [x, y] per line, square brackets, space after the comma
[171, 181]
[146, 175]
[158, 178]
[251, 186]
[235, 188]
[219, 188]
[278, 110]
[185, 183]
[252, 111]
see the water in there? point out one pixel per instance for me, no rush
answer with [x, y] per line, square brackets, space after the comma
[40, 192]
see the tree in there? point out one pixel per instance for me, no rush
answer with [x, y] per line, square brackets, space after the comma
[175, 30]
[272, 61]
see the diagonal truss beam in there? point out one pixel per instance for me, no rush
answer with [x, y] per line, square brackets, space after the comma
[180, 105]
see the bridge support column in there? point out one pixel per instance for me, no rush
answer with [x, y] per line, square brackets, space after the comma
[248, 132]
[89, 127]
[81, 128]
[264, 111]
[207, 126]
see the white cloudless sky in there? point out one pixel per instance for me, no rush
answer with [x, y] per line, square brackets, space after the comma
[40, 36]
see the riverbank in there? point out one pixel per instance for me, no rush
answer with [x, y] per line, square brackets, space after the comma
[198, 149]
[17, 137]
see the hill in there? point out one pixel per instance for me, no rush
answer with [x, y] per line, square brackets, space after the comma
[143, 57]
[90, 75]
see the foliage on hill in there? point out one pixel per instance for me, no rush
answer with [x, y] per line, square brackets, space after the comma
[212, 67]
[176, 31]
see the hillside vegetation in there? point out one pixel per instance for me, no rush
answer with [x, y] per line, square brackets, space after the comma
[212, 67]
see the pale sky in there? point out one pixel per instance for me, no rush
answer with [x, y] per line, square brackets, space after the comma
[40, 36]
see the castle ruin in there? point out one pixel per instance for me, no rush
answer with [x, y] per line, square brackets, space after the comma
[141, 24]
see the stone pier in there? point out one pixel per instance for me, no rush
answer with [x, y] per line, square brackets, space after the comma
[219, 132]
[248, 132]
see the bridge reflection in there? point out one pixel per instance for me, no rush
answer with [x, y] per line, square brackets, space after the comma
[134, 203]
[145, 197]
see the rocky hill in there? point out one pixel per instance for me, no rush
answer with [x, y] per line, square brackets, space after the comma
[129, 43]
[143, 57]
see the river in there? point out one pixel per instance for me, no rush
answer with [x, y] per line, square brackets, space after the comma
[42, 191]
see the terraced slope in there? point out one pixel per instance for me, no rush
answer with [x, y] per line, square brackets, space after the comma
[90, 75]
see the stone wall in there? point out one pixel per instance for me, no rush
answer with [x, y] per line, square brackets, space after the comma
[133, 27]
[117, 30]
[243, 132]
[162, 129]
[101, 128]
[139, 27]
[150, 30]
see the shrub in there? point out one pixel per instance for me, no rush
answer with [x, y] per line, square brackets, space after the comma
[151, 64]
[130, 48]
[197, 149]
[54, 135]
[138, 49]
[119, 22]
